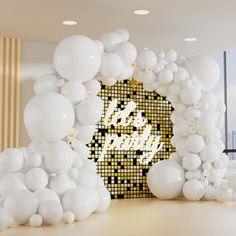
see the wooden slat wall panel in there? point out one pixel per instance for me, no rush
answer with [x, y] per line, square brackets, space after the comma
[9, 92]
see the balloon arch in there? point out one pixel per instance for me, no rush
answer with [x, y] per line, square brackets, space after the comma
[53, 179]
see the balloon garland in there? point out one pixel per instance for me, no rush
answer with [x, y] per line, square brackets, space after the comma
[53, 179]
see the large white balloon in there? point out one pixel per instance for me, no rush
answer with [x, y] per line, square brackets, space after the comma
[165, 179]
[112, 65]
[49, 117]
[74, 90]
[89, 112]
[77, 58]
[104, 199]
[21, 205]
[58, 157]
[206, 70]
[127, 52]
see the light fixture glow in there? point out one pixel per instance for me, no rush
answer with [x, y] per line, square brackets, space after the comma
[141, 12]
[69, 22]
[190, 39]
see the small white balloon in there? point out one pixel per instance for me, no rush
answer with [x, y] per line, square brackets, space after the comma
[210, 193]
[69, 217]
[180, 75]
[51, 211]
[112, 65]
[181, 147]
[193, 190]
[195, 143]
[11, 160]
[73, 173]
[74, 90]
[85, 132]
[93, 87]
[36, 220]
[34, 159]
[36, 178]
[210, 153]
[191, 162]
[146, 58]
[89, 112]
[110, 40]
[170, 55]
[58, 157]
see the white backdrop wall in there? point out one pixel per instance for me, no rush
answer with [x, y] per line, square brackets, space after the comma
[36, 60]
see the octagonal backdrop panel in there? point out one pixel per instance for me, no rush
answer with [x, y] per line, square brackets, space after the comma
[124, 176]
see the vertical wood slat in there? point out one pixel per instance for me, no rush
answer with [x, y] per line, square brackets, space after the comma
[9, 92]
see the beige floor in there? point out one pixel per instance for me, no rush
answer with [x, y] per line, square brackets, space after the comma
[147, 217]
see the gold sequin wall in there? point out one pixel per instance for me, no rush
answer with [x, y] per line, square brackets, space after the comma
[124, 176]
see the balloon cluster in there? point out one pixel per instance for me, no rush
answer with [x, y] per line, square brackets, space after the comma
[53, 179]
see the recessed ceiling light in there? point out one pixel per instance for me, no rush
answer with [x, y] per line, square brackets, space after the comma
[190, 39]
[141, 12]
[69, 22]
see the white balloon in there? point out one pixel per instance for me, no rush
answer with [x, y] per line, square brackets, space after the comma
[180, 75]
[87, 178]
[89, 112]
[148, 77]
[93, 87]
[210, 193]
[46, 194]
[191, 162]
[90, 164]
[69, 217]
[124, 33]
[37, 146]
[104, 199]
[223, 196]
[21, 205]
[77, 58]
[165, 179]
[205, 69]
[195, 143]
[112, 65]
[193, 190]
[10, 183]
[181, 147]
[85, 132]
[146, 58]
[109, 81]
[36, 178]
[192, 113]
[174, 88]
[3, 219]
[46, 83]
[49, 117]
[232, 182]
[126, 73]
[110, 40]
[78, 201]
[126, 51]
[58, 157]
[82, 150]
[74, 90]
[73, 173]
[11, 160]
[36, 220]
[210, 153]
[170, 55]
[51, 211]
[99, 45]
[162, 90]
[190, 95]
[61, 183]
[34, 159]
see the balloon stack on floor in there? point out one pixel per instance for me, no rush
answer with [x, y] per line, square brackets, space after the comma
[53, 179]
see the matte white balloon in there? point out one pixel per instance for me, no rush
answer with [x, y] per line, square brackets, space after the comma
[82, 150]
[85, 132]
[195, 143]
[104, 199]
[77, 58]
[109, 81]
[51, 211]
[206, 70]
[146, 58]
[99, 45]
[34, 159]
[89, 112]
[112, 65]
[181, 147]
[123, 32]
[210, 153]
[74, 90]
[209, 193]
[170, 55]
[49, 117]
[46, 194]
[21, 205]
[87, 178]
[165, 76]
[58, 157]
[36, 178]
[126, 73]
[165, 179]
[193, 190]
[180, 75]
[191, 162]
[69, 217]
[11, 160]
[3, 219]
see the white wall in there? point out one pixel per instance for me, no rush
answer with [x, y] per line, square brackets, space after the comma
[36, 60]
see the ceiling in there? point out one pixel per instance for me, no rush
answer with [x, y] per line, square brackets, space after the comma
[170, 21]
